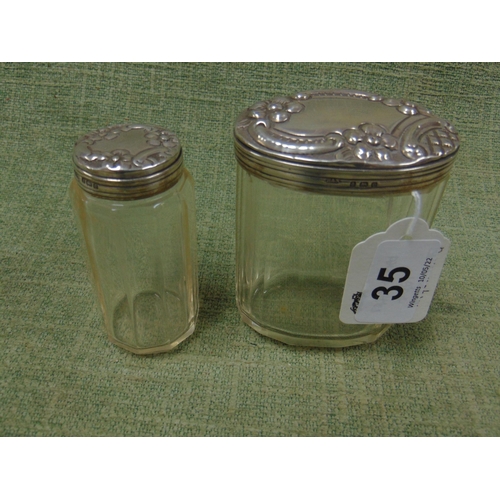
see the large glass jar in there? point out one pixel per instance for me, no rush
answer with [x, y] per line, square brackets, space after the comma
[134, 204]
[318, 173]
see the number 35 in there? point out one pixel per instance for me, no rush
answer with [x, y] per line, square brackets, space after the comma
[390, 278]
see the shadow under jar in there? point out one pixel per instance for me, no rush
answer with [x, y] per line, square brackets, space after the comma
[318, 173]
[134, 204]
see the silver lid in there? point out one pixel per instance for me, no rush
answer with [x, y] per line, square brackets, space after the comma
[344, 140]
[127, 161]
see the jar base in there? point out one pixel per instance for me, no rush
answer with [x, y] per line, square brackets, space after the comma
[310, 341]
[302, 309]
[157, 349]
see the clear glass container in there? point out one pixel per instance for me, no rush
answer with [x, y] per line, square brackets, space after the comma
[318, 173]
[134, 204]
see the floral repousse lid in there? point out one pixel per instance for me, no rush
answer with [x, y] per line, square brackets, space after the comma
[127, 161]
[344, 139]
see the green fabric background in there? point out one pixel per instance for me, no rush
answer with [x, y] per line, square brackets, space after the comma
[61, 377]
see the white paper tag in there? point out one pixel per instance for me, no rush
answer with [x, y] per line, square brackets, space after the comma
[392, 280]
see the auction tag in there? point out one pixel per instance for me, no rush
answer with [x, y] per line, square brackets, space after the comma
[392, 280]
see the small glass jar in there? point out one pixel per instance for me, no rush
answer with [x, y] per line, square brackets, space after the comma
[318, 173]
[134, 204]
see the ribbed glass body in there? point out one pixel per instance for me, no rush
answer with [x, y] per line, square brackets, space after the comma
[142, 256]
[292, 255]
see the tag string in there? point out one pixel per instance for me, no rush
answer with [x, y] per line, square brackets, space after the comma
[416, 215]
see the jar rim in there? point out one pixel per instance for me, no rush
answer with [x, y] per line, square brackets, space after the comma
[346, 179]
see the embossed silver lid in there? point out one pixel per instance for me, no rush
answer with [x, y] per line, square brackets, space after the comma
[344, 140]
[127, 161]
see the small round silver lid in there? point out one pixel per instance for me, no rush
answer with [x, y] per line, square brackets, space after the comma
[127, 161]
[344, 140]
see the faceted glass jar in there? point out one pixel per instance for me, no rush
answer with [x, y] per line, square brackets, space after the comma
[293, 251]
[142, 256]
[318, 173]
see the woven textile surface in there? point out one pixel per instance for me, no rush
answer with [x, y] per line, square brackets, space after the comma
[61, 377]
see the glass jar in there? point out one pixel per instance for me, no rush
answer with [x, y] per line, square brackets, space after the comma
[134, 204]
[318, 173]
